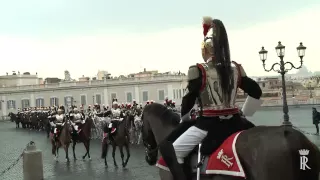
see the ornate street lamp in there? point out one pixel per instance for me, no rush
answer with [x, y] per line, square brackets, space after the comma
[280, 49]
[310, 89]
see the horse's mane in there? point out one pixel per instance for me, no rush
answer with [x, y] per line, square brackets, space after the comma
[161, 111]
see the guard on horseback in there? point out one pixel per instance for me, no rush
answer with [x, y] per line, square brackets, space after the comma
[214, 85]
[116, 117]
[57, 123]
[78, 121]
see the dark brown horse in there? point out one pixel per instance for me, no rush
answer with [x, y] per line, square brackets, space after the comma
[15, 118]
[63, 140]
[83, 136]
[265, 152]
[120, 139]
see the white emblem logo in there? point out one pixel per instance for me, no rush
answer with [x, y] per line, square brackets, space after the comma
[225, 159]
[304, 159]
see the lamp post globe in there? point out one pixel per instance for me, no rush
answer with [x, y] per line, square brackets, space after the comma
[301, 50]
[263, 54]
[280, 50]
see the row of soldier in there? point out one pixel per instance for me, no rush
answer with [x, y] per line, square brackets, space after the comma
[38, 118]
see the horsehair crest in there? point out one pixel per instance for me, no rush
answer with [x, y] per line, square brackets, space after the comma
[206, 24]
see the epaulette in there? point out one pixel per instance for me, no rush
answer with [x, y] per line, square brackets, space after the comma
[193, 72]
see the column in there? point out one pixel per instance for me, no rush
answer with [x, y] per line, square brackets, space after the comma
[170, 91]
[4, 105]
[32, 100]
[137, 94]
[106, 97]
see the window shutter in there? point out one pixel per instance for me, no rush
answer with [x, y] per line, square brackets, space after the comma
[14, 104]
[8, 105]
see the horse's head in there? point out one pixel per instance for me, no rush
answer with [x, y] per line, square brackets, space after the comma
[157, 123]
[149, 142]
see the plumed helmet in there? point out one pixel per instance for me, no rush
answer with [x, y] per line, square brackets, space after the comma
[115, 103]
[208, 33]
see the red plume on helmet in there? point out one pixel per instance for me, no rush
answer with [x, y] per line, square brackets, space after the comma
[206, 24]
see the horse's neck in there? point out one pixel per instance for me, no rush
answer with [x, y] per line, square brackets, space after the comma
[160, 130]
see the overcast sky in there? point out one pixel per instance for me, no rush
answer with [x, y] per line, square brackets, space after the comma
[125, 36]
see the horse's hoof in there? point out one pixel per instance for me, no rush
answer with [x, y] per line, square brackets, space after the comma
[89, 158]
[83, 157]
[74, 158]
[67, 160]
[106, 165]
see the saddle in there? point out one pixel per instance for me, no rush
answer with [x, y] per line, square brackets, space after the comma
[78, 126]
[57, 130]
[113, 125]
[224, 160]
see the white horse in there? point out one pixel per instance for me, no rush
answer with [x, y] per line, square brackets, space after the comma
[99, 123]
[137, 130]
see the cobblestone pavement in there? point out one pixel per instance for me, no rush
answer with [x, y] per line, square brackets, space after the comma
[13, 141]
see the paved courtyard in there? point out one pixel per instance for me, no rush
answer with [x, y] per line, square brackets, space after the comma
[13, 141]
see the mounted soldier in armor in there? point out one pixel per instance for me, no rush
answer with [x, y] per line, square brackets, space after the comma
[57, 122]
[116, 117]
[78, 120]
[214, 85]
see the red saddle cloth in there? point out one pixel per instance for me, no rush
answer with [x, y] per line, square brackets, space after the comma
[224, 160]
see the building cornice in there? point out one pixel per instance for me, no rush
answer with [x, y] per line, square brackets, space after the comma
[92, 84]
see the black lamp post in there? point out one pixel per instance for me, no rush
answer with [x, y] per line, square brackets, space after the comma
[280, 49]
[310, 88]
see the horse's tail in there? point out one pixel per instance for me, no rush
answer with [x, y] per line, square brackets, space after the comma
[305, 155]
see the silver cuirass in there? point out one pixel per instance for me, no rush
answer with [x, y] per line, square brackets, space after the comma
[211, 95]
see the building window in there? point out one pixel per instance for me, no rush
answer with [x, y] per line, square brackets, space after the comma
[98, 98]
[145, 96]
[83, 100]
[174, 94]
[39, 102]
[25, 103]
[263, 84]
[113, 96]
[11, 104]
[184, 92]
[129, 97]
[54, 101]
[68, 101]
[180, 94]
[161, 95]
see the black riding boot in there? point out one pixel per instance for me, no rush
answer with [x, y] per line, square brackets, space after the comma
[169, 156]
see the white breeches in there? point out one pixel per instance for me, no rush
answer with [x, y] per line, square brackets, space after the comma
[75, 127]
[187, 141]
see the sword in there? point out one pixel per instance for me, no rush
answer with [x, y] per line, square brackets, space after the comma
[199, 162]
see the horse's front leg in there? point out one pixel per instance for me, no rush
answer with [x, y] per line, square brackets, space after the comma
[128, 154]
[87, 146]
[122, 155]
[57, 152]
[74, 150]
[114, 147]
[66, 150]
